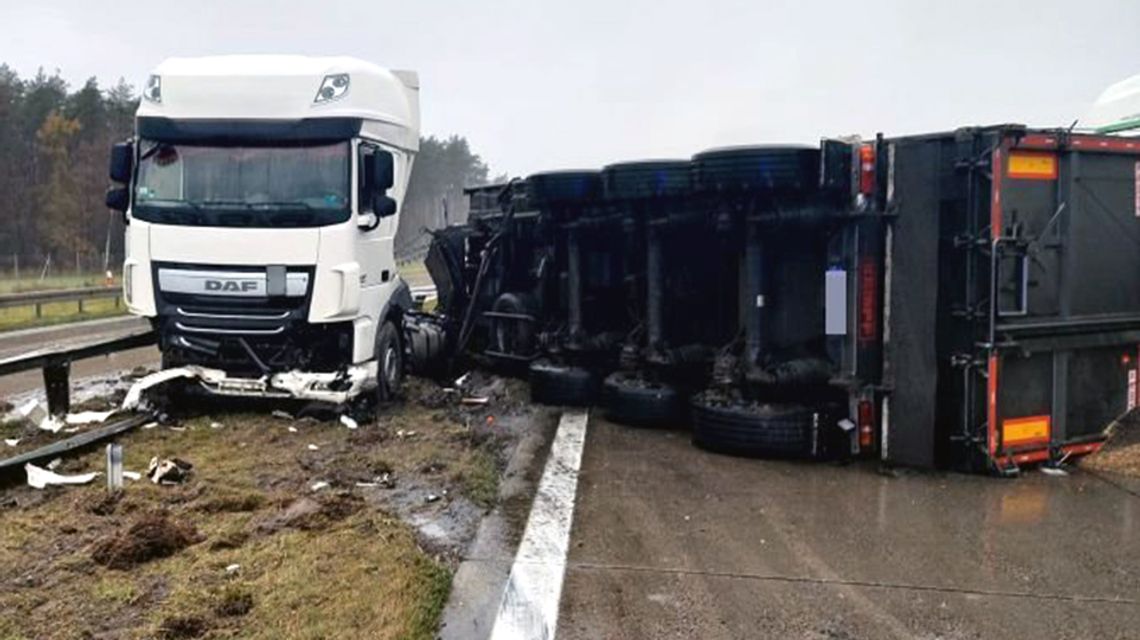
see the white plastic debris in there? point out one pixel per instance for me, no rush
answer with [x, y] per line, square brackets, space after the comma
[34, 412]
[292, 429]
[132, 475]
[168, 471]
[317, 486]
[411, 433]
[461, 379]
[11, 442]
[475, 401]
[233, 568]
[284, 415]
[150, 425]
[134, 394]
[54, 464]
[1054, 471]
[38, 478]
[215, 425]
[313, 447]
[88, 417]
[431, 497]
[348, 422]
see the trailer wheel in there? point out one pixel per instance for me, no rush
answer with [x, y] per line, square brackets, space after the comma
[558, 187]
[557, 384]
[633, 400]
[513, 337]
[647, 179]
[757, 168]
[725, 425]
[389, 362]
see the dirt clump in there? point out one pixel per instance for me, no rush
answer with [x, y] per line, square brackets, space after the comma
[234, 603]
[152, 536]
[180, 627]
[107, 505]
[309, 514]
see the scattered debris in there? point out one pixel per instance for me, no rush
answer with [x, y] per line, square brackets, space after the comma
[292, 429]
[12, 442]
[284, 415]
[168, 471]
[462, 379]
[54, 464]
[387, 481]
[431, 497]
[313, 447]
[88, 417]
[475, 401]
[132, 475]
[317, 486]
[150, 425]
[1054, 471]
[233, 568]
[215, 425]
[406, 434]
[348, 422]
[38, 477]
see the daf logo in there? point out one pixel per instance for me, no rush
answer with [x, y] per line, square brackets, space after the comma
[231, 286]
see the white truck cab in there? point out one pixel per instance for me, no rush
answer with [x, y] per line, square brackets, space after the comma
[261, 196]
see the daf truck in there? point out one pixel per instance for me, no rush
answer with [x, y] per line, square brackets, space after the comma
[261, 196]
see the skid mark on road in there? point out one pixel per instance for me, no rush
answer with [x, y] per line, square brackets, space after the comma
[529, 609]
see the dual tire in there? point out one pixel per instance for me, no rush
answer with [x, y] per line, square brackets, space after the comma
[751, 429]
[632, 400]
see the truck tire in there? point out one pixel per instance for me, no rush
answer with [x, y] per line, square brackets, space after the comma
[561, 187]
[647, 179]
[740, 428]
[513, 337]
[389, 362]
[632, 400]
[758, 168]
[561, 385]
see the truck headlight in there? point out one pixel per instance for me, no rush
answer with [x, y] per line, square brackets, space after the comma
[332, 88]
[153, 90]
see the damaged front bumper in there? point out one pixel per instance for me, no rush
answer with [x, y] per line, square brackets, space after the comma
[334, 388]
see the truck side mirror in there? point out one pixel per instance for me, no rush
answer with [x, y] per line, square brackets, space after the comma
[383, 206]
[383, 171]
[118, 199]
[122, 162]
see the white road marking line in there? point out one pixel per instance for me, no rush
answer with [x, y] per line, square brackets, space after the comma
[529, 610]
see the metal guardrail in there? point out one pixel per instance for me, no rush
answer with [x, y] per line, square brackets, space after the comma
[56, 364]
[40, 298]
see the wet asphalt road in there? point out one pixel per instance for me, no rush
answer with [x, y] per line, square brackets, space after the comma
[672, 542]
[14, 343]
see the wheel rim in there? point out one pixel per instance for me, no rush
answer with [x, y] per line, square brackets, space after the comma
[390, 365]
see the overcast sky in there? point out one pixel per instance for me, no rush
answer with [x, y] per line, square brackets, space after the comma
[536, 85]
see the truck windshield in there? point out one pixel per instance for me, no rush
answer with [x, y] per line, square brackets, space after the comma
[243, 186]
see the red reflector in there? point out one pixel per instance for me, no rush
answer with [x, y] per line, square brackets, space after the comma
[866, 424]
[868, 299]
[867, 169]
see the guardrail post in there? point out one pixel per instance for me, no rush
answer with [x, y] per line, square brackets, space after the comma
[57, 383]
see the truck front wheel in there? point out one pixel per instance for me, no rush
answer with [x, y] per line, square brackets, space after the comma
[389, 362]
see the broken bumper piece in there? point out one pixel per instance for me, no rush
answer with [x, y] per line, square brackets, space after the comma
[335, 388]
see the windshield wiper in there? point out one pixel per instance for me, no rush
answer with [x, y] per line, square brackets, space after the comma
[292, 203]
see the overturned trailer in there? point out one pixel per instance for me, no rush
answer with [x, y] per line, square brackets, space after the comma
[964, 299]
[1014, 301]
